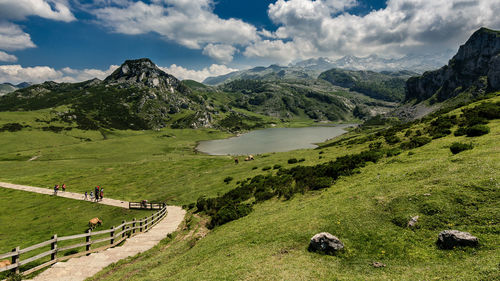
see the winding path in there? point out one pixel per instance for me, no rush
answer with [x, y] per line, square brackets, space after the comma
[78, 269]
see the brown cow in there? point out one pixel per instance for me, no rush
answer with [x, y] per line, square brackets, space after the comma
[94, 222]
[4, 263]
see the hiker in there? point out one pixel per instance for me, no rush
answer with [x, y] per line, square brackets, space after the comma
[86, 195]
[56, 188]
[63, 187]
[96, 192]
[102, 194]
[91, 195]
[236, 161]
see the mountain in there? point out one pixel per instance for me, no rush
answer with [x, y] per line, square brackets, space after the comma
[416, 63]
[474, 70]
[388, 86]
[6, 88]
[137, 95]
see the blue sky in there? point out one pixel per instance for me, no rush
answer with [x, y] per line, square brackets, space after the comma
[71, 40]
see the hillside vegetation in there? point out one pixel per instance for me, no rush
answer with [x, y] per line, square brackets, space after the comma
[367, 209]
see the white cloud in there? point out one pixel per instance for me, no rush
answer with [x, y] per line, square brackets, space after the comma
[7, 58]
[49, 9]
[13, 38]
[190, 23]
[310, 28]
[38, 74]
[220, 52]
[197, 75]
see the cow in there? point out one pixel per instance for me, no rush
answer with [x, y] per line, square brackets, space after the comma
[94, 222]
[4, 263]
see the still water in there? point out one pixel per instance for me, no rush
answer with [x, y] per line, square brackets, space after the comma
[272, 140]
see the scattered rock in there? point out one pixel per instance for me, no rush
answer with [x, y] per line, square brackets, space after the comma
[448, 239]
[377, 264]
[413, 221]
[427, 194]
[326, 243]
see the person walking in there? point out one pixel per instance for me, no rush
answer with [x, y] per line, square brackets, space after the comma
[63, 187]
[91, 195]
[96, 192]
[56, 188]
[86, 195]
[101, 194]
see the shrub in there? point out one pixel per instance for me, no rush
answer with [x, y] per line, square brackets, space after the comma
[276, 166]
[229, 213]
[320, 183]
[461, 131]
[255, 168]
[375, 145]
[292, 161]
[393, 152]
[266, 168]
[477, 130]
[458, 147]
[415, 142]
[227, 180]
[392, 139]
[302, 159]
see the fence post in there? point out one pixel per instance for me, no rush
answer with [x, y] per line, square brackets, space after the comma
[15, 259]
[146, 224]
[53, 246]
[123, 229]
[140, 226]
[133, 226]
[112, 235]
[87, 241]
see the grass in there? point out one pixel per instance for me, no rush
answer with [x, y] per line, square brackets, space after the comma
[368, 211]
[365, 210]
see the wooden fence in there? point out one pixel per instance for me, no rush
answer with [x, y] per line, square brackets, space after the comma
[146, 205]
[106, 239]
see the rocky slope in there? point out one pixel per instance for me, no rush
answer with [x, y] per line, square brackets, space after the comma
[475, 69]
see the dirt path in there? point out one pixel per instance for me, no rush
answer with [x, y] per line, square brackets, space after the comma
[65, 194]
[78, 269]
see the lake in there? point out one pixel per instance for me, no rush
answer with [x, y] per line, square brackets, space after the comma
[272, 140]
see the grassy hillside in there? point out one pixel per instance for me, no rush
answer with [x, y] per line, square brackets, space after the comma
[368, 211]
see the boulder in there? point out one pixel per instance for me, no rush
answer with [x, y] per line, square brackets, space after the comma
[413, 222]
[326, 243]
[448, 239]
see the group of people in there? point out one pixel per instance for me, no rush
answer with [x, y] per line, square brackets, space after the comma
[56, 188]
[95, 195]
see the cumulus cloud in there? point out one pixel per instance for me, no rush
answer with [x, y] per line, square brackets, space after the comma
[220, 52]
[49, 9]
[13, 38]
[197, 75]
[16, 74]
[310, 28]
[7, 58]
[190, 23]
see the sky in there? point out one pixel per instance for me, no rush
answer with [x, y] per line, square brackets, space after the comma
[77, 40]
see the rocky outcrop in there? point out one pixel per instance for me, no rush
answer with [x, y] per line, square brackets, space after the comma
[325, 243]
[448, 239]
[475, 68]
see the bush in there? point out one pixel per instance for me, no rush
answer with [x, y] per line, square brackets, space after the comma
[477, 130]
[266, 168]
[292, 161]
[320, 183]
[276, 166]
[416, 142]
[302, 159]
[227, 180]
[392, 139]
[393, 152]
[458, 147]
[375, 145]
[229, 213]
[461, 131]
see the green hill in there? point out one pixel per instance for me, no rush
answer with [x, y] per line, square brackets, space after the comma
[367, 209]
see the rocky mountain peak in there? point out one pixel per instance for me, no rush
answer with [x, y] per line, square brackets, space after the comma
[142, 73]
[475, 69]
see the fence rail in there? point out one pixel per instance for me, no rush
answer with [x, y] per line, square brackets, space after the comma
[146, 205]
[117, 234]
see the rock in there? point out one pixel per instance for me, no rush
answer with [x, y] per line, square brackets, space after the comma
[476, 60]
[377, 264]
[326, 243]
[413, 221]
[448, 239]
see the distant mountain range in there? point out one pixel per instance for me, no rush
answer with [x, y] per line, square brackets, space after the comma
[6, 88]
[311, 68]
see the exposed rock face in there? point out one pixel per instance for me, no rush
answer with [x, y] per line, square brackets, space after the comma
[448, 239]
[476, 67]
[326, 243]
